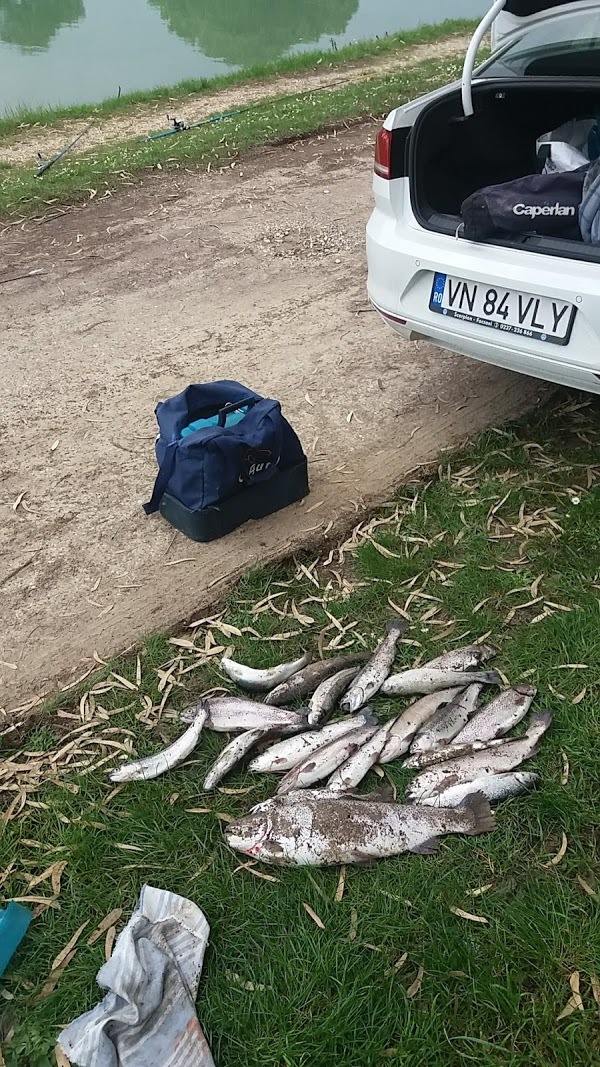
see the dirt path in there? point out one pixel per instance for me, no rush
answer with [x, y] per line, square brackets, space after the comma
[255, 273]
[148, 118]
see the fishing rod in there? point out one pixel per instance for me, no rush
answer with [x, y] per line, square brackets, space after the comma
[43, 167]
[178, 126]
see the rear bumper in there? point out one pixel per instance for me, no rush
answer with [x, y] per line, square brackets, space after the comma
[402, 259]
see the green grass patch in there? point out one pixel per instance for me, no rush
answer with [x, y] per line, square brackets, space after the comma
[503, 540]
[298, 63]
[99, 172]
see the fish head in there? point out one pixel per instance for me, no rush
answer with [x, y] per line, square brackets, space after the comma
[420, 744]
[352, 700]
[523, 692]
[527, 778]
[248, 833]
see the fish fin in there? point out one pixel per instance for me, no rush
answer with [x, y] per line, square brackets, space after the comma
[478, 807]
[428, 847]
[384, 793]
[491, 678]
[397, 626]
[362, 859]
[449, 780]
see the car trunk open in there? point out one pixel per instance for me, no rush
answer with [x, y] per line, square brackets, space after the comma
[452, 156]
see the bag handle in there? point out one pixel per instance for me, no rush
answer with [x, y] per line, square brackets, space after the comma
[162, 479]
[248, 402]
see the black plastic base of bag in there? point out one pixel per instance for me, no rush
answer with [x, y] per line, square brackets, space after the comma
[285, 487]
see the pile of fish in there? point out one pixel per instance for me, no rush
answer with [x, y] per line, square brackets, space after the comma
[457, 744]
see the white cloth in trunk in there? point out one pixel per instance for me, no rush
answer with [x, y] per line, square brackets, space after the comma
[149, 1015]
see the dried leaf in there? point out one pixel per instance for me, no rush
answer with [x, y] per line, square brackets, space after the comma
[49, 902]
[397, 966]
[559, 855]
[577, 699]
[416, 985]
[53, 980]
[575, 1003]
[61, 1059]
[478, 892]
[109, 941]
[54, 872]
[70, 945]
[109, 920]
[587, 888]
[565, 772]
[259, 874]
[341, 885]
[129, 848]
[595, 982]
[353, 925]
[468, 915]
[238, 980]
[315, 918]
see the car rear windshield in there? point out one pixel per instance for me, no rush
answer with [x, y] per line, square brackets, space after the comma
[568, 45]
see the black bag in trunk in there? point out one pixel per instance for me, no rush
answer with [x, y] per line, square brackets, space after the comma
[545, 204]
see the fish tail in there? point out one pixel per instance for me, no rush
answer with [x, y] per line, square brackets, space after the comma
[396, 626]
[370, 716]
[536, 728]
[490, 678]
[478, 807]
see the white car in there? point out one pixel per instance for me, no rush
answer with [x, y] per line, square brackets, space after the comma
[527, 302]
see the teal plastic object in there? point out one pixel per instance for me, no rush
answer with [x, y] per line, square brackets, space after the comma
[201, 424]
[14, 921]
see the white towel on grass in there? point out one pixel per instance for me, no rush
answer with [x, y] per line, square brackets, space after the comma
[149, 1014]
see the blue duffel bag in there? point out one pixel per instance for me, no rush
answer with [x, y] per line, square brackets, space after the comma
[225, 455]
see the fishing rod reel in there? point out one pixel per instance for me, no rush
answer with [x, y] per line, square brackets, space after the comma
[177, 124]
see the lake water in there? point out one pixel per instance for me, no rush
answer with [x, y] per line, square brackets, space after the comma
[73, 51]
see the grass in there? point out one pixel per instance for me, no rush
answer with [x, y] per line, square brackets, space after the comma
[298, 63]
[516, 509]
[100, 172]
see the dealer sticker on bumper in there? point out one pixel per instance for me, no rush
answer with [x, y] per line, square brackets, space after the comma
[506, 310]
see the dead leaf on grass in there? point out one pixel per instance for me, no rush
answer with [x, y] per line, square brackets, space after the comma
[315, 918]
[468, 915]
[109, 941]
[70, 945]
[128, 848]
[397, 966]
[575, 1003]
[237, 979]
[559, 855]
[341, 885]
[54, 872]
[258, 874]
[577, 699]
[479, 892]
[565, 771]
[109, 920]
[61, 1059]
[353, 925]
[595, 982]
[54, 978]
[587, 887]
[49, 902]
[414, 988]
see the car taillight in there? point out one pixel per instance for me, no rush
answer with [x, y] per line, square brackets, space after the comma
[383, 154]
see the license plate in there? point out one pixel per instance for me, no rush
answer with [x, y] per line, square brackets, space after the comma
[506, 310]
